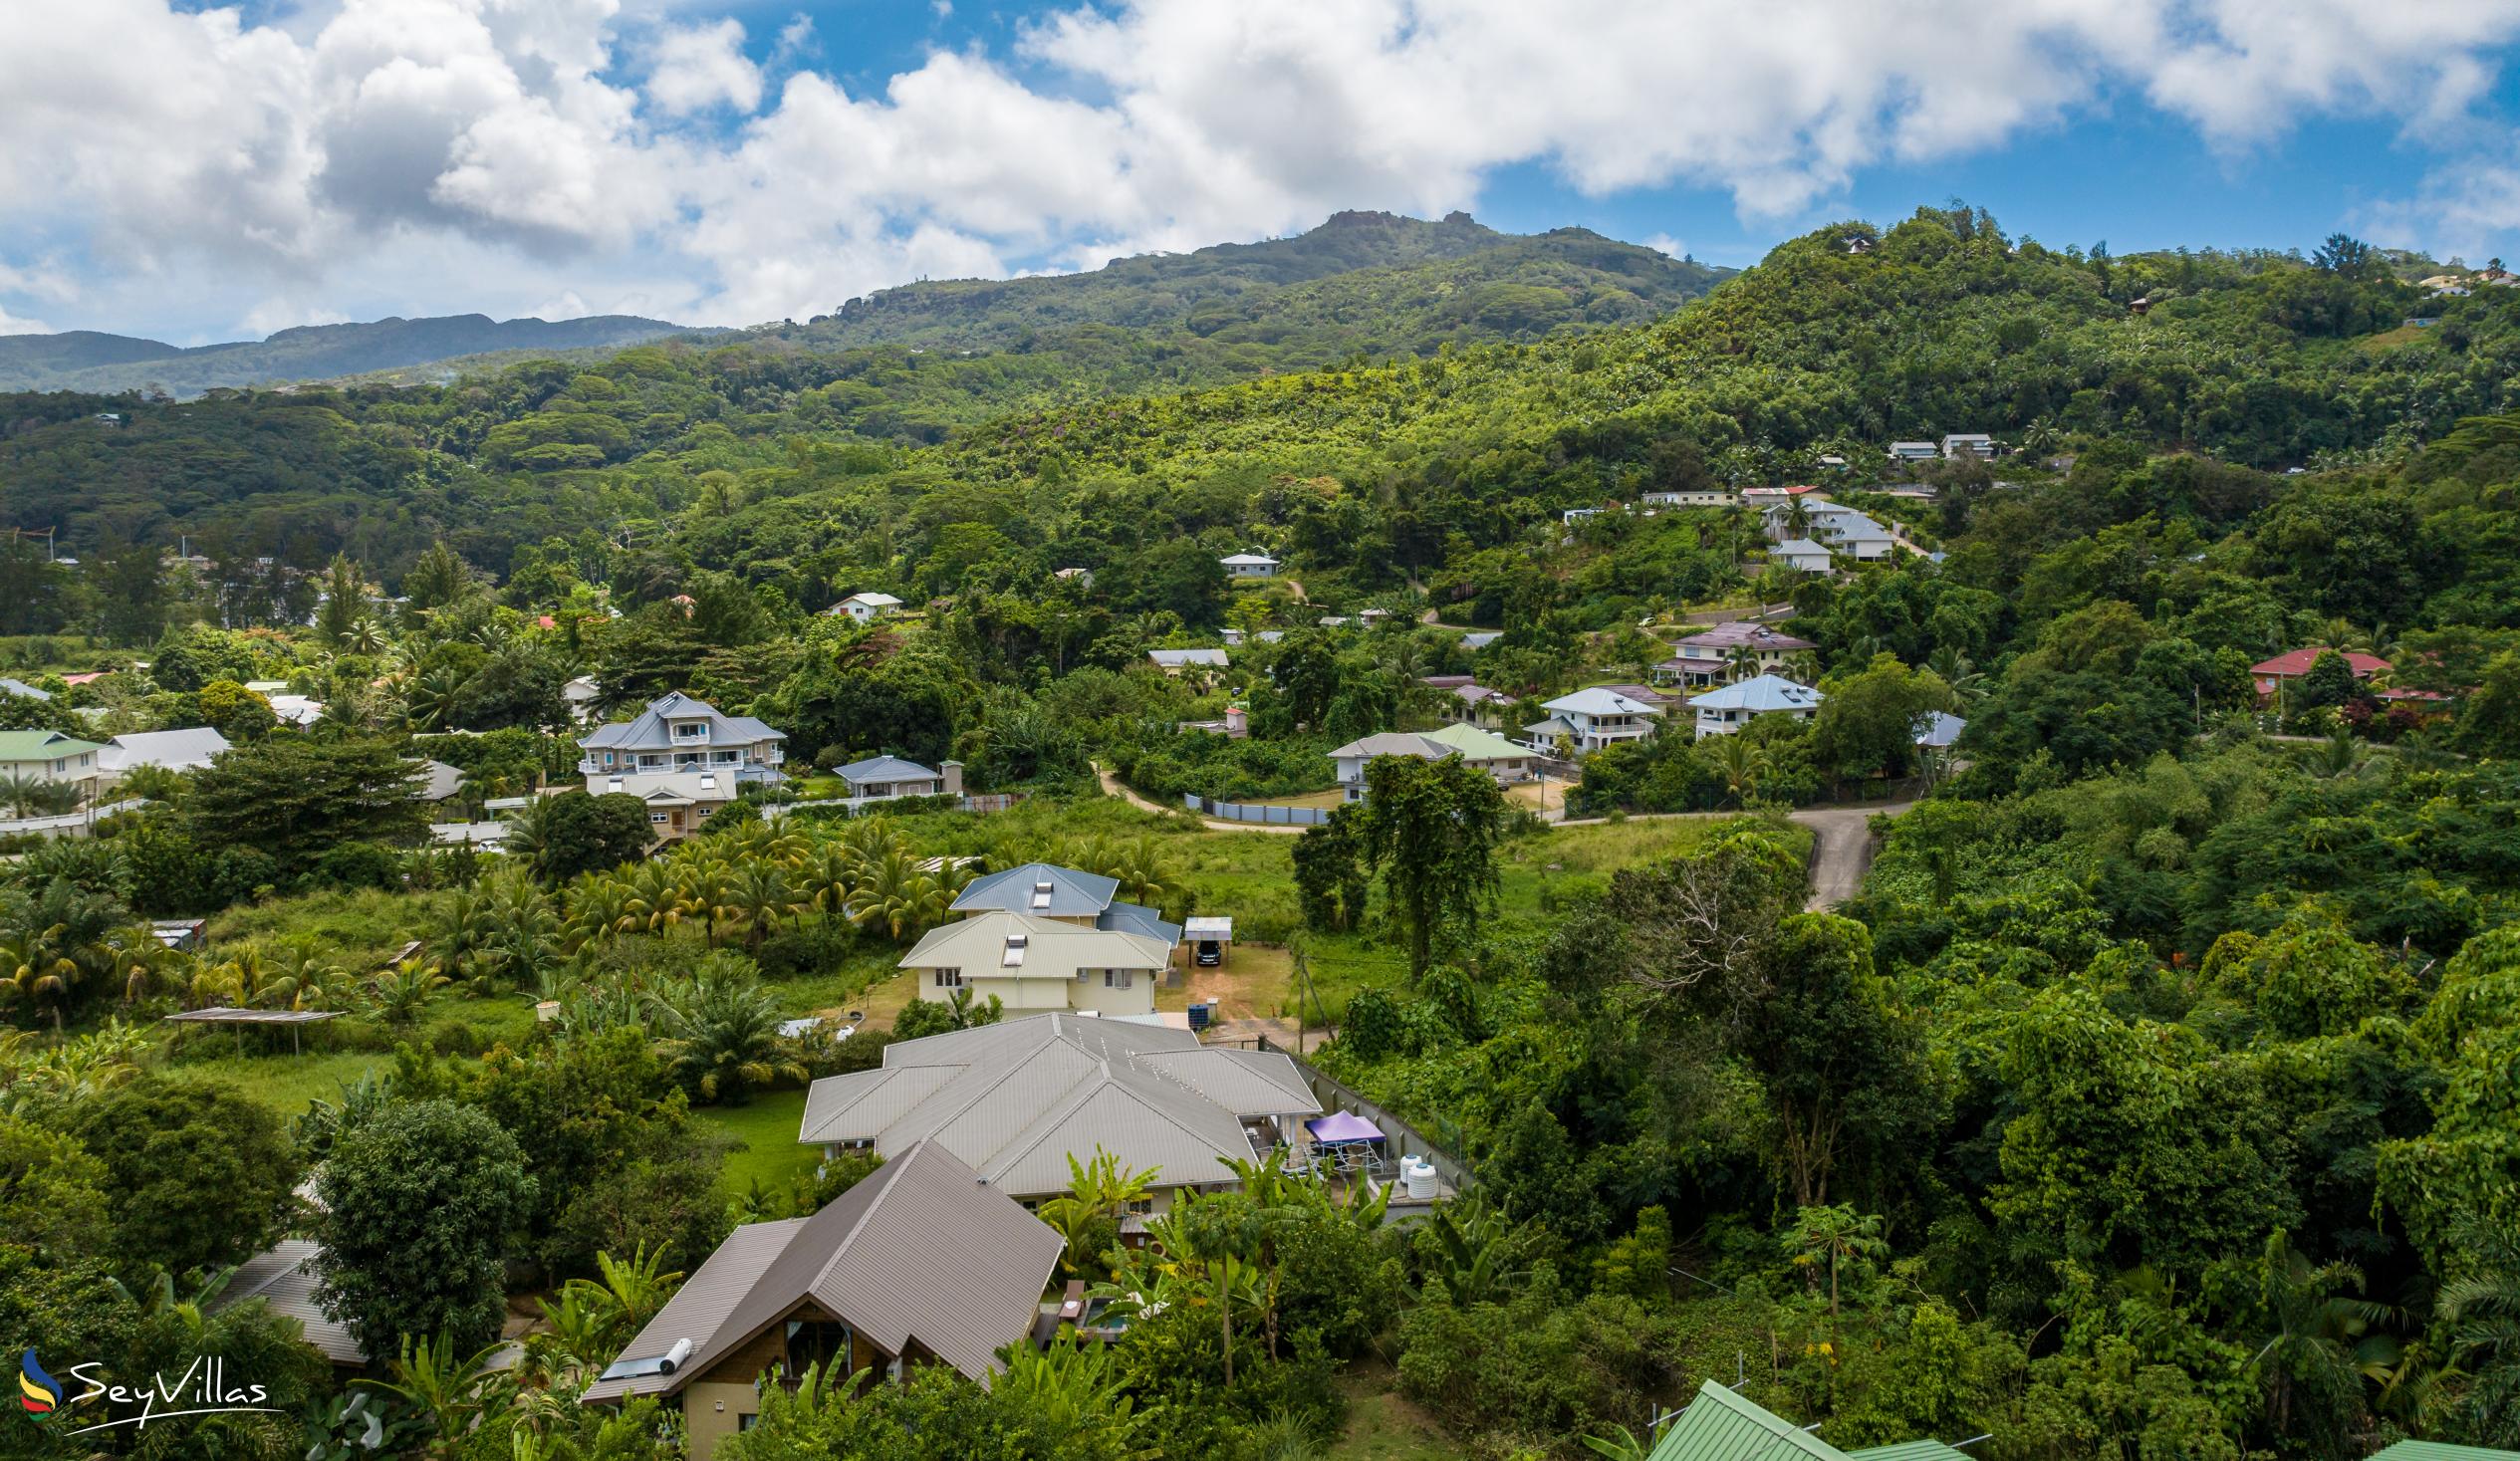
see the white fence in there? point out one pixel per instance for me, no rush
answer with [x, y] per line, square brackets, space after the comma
[1254, 813]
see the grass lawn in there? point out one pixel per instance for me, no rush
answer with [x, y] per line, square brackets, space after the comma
[286, 1082]
[1381, 1426]
[766, 1128]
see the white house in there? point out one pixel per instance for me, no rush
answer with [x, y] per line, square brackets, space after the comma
[1592, 719]
[1493, 754]
[1968, 444]
[1574, 514]
[1708, 497]
[1034, 964]
[1915, 451]
[1082, 578]
[1721, 713]
[1250, 566]
[1707, 659]
[682, 757]
[1802, 553]
[175, 750]
[48, 755]
[1175, 661]
[889, 779]
[297, 710]
[866, 608]
[581, 695]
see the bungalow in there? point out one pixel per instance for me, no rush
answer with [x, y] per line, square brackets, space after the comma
[1965, 443]
[1574, 514]
[1592, 719]
[1803, 555]
[889, 779]
[866, 608]
[1032, 963]
[175, 750]
[1493, 754]
[683, 759]
[1175, 661]
[1709, 658]
[920, 1263]
[300, 711]
[1016, 1099]
[1704, 497]
[1470, 703]
[1721, 713]
[1915, 451]
[1718, 1425]
[284, 1279]
[1250, 566]
[48, 755]
[2293, 664]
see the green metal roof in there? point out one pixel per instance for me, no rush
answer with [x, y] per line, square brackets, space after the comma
[2441, 1451]
[1471, 742]
[1722, 1427]
[1911, 1451]
[41, 745]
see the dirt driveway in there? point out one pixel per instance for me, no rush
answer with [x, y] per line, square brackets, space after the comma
[1842, 849]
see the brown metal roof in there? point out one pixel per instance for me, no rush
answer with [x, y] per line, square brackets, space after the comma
[283, 1279]
[921, 1250]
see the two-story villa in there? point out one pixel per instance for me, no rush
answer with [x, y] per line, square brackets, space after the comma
[1592, 719]
[684, 758]
[1044, 937]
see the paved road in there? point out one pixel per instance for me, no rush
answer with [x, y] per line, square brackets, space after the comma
[1841, 849]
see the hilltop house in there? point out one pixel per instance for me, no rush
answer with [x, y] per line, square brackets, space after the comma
[2293, 664]
[175, 750]
[1836, 525]
[1592, 719]
[1915, 451]
[1493, 754]
[1082, 578]
[1030, 963]
[683, 759]
[1721, 713]
[918, 1264]
[1803, 555]
[1250, 566]
[1064, 895]
[581, 694]
[1175, 661]
[866, 608]
[889, 779]
[1968, 443]
[1708, 658]
[1467, 702]
[1702, 497]
[1016, 1099]
[48, 755]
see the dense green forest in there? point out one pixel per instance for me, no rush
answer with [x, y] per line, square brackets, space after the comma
[83, 359]
[2150, 1097]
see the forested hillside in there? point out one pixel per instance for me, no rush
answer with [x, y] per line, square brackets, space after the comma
[86, 360]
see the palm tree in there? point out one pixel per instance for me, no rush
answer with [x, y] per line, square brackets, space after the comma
[2320, 1346]
[724, 1039]
[454, 1391]
[1967, 682]
[401, 993]
[1741, 662]
[761, 898]
[29, 974]
[896, 896]
[429, 701]
[2336, 756]
[1742, 766]
[144, 963]
[705, 891]
[1141, 871]
[2482, 1308]
[35, 795]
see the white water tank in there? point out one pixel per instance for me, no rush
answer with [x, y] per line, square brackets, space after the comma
[1418, 1175]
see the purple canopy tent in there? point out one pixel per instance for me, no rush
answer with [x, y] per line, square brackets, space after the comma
[1341, 1128]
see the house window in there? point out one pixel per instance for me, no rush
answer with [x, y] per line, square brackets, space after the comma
[693, 731]
[1142, 1206]
[1116, 979]
[821, 1343]
[949, 979]
[659, 818]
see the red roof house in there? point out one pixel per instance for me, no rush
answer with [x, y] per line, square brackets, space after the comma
[2293, 664]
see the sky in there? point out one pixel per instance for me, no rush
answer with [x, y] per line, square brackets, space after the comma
[197, 172]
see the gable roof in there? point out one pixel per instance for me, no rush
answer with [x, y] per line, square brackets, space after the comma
[1473, 744]
[650, 729]
[1389, 743]
[919, 1251]
[872, 600]
[885, 768]
[1247, 558]
[1722, 1427]
[1001, 945]
[1073, 894]
[1176, 658]
[1739, 635]
[1598, 700]
[177, 750]
[1801, 548]
[1938, 729]
[1016, 1099]
[41, 745]
[282, 1278]
[2298, 661]
[1759, 694]
[21, 687]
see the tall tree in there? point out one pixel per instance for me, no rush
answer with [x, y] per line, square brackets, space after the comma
[1431, 827]
[315, 794]
[419, 1204]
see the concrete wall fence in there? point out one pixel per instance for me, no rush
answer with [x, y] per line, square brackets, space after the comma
[1254, 813]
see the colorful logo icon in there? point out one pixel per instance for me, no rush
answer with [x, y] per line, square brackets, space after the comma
[38, 1392]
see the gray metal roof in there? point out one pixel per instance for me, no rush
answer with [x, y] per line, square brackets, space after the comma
[21, 687]
[921, 1251]
[282, 1278]
[1176, 658]
[1143, 921]
[177, 750]
[650, 730]
[1073, 894]
[1016, 1099]
[885, 768]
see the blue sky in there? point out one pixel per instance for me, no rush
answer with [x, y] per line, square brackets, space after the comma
[200, 171]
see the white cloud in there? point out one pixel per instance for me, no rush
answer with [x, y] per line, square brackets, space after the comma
[699, 67]
[449, 154]
[1664, 243]
[12, 324]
